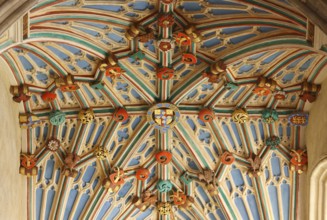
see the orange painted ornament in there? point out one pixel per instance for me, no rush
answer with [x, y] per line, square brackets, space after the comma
[48, 96]
[142, 174]
[165, 73]
[163, 157]
[120, 115]
[189, 58]
[206, 115]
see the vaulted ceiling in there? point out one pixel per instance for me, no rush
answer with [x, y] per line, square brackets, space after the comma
[164, 109]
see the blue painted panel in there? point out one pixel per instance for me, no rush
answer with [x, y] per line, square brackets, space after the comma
[274, 200]
[70, 202]
[134, 161]
[113, 8]
[271, 58]
[233, 30]
[82, 202]
[97, 135]
[229, 136]
[90, 132]
[59, 53]
[191, 6]
[236, 133]
[50, 197]
[239, 92]
[37, 60]
[220, 214]
[253, 131]
[38, 200]
[262, 132]
[243, 38]
[26, 64]
[149, 151]
[237, 177]
[45, 131]
[57, 176]
[286, 170]
[104, 209]
[204, 136]
[229, 185]
[211, 43]
[114, 212]
[88, 174]
[241, 208]
[185, 217]
[226, 12]
[71, 133]
[245, 68]
[145, 214]
[275, 164]
[253, 206]
[49, 169]
[285, 190]
[203, 194]
[122, 134]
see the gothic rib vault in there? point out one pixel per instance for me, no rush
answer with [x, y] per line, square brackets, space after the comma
[164, 109]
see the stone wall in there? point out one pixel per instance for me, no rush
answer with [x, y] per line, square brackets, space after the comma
[13, 185]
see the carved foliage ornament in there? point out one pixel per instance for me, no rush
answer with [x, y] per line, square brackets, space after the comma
[115, 180]
[273, 142]
[101, 153]
[255, 162]
[269, 116]
[142, 174]
[309, 92]
[70, 161]
[147, 199]
[86, 116]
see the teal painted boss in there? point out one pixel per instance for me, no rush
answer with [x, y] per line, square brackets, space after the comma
[57, 117]
[164, 186]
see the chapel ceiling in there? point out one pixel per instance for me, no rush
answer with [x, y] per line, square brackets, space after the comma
[164, 109]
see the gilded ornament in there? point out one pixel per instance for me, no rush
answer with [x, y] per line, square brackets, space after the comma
[264, 86]
[57, 117]
[115, 180]
[206, 115]
[66, 84]
[163, 116]
[86, 116]
[132, 32]
[101, 153]
[255, 161]
[208, 176]
[193, 34]
[269, 116]
[298, 119]
[20, 93]
[218, 68]
[240, 116]
[164, 208]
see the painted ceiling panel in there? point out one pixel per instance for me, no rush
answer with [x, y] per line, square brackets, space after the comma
[167, 109]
